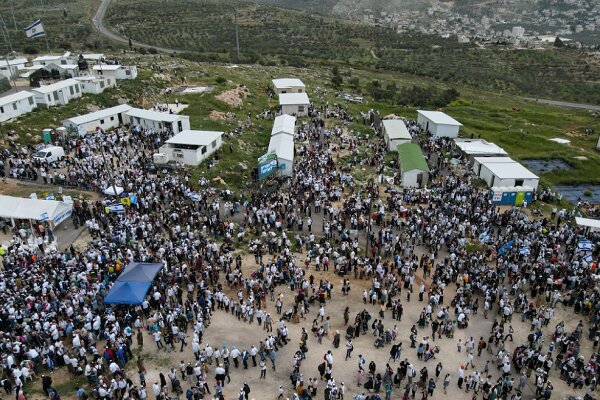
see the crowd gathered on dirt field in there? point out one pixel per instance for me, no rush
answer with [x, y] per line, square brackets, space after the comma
[422, 265]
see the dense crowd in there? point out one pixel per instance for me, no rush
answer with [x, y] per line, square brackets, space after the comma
[53, 314]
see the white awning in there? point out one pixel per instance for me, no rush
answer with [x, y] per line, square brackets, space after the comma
[34, 209]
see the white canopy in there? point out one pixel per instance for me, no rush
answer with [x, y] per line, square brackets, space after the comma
[33, 209]
[110, 191]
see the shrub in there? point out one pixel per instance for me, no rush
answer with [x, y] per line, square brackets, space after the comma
[220, 80]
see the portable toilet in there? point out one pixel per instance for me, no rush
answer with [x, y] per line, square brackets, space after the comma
[520, 195]
[47, 135]
[512, 196]
[496, 195]
[528, 194]
[62, 133]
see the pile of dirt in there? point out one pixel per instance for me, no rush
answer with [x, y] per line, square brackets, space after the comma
[234, 97]
[217, 115]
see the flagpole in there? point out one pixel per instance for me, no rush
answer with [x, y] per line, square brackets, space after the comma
[47, 45]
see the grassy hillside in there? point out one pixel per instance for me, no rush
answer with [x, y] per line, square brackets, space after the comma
[274, 36]
[67, 23]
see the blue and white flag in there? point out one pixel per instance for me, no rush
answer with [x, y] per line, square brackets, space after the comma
[505, 248]
[44, 217]
[50, 196]
[116, 208]
[585, 245]
[524, 250]
[36, 29]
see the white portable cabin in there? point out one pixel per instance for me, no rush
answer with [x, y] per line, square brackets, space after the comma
[284, 124]
[479, 161]
[51, 59]
[472, 148]
[56, 94]
[395, 133]
[115, 71]
[93, 85]
[283, 146]
[192, 147]
[288, 85]
[108, 118]
[157, 121]
[10, 68]
[17, 104]
[438, 123]
[507, 174]
[294, 103]
[64, 69]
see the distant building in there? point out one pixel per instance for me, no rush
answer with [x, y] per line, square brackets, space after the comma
[50, 59]
[505, 172]
[288, 85]
[106, 119]
[117, 72]
[438, 123]
[395, 133]
[472, 148]
[294, 103]
[414, 171]
[158, 121]
[93, 85]
[59, 93]
[17, 104]
[518, 31]
[10, 68]
[192, 147]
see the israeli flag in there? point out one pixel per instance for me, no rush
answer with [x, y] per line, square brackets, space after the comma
[44, 217]
[50, 196]
[34, 30]
[585, 245]
[116, 208]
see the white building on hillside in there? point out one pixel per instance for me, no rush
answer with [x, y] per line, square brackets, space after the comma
[15, 105]
[64, 69]
[115, 71]
[438, 124]
[285, 124]
[106, 119]
[9, 69]
[192, 147]
[59, 93]
[395, 133]
[283, 146]
[158, 121]
[506, 174]
[92, 85]
[288, 85]
[472, 148]
[294, 103]
[50, 59]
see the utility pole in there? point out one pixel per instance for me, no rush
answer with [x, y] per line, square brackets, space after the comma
[12, 9]
[237, 33]
[5, 32]
[10, 74]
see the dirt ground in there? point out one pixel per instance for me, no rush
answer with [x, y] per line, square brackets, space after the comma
[234, 97]
[226, 330]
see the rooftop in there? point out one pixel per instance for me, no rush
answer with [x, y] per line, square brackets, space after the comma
[284, 123]
[55, 86]
[197, 138]
[438, 117]
[411, 157]
[396, 129]
[284, 83]
[105, 67]
[15, 97]
[478, 147]
[100, 114]
[154, 115]
[293, 99]
[491, 160]
[512, 170]
[16, 61]
[283, 145]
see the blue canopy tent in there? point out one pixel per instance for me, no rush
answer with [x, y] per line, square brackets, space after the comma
[133, 284]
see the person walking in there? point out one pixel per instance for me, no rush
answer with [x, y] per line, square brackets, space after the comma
[349, 348]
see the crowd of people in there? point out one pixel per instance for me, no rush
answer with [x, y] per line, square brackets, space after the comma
[429, 241]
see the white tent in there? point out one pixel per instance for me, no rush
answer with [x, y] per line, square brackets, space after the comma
[33, 209]
[110, 191]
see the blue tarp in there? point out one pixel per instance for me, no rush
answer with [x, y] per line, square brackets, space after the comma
[133, 284]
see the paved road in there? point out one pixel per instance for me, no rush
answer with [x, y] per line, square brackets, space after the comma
[98, 23]
[565, 104]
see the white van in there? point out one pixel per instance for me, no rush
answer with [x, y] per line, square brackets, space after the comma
[49, 154]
